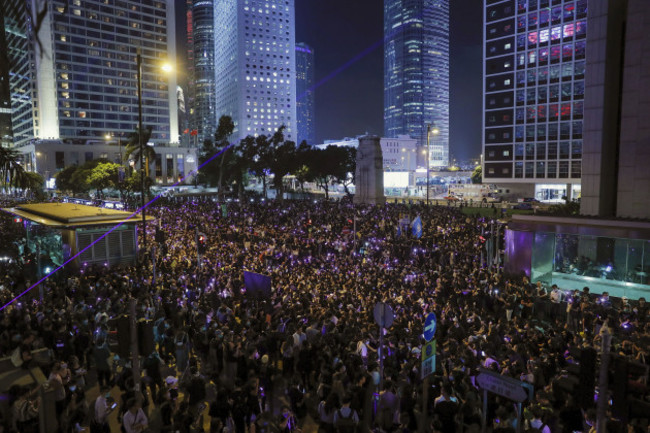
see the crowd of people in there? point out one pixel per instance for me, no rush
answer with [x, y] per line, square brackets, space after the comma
[310, 349]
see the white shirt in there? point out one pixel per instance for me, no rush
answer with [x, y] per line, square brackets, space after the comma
[130, 421]
[556, 296]
[101, 409]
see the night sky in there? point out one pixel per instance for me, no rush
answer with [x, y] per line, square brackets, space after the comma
[350, 102]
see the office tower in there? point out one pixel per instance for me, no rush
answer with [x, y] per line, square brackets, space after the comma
[76, 80]
[255, 65]
[16, 68]
[416, 73]
[305, 93]
[203, 115]
[615, 175]
[534, 85]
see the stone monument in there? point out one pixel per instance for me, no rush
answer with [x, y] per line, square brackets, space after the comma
[369, 180]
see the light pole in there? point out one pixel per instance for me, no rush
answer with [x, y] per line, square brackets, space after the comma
[430, 131]
[108, 138]
[141, 147]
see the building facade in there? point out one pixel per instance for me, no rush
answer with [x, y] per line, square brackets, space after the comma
[398, 153]
[255, 66]
[76, 79]
[416, 73]
[171, 164]
[305, 104]
[202, 112]
[534, 87]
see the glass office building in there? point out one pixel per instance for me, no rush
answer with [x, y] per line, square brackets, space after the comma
[416, 73]
[305, 93]
[255, 65]
[534, 69]
[76, 80]
[202, 112]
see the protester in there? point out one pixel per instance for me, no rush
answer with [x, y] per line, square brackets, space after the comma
[313, 339]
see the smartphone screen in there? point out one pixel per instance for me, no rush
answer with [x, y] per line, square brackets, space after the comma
[114, 405]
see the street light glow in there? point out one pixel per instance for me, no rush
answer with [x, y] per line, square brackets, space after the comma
[167, 67]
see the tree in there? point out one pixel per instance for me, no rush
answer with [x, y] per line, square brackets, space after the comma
[301, 170]
[477, 174]
[32, 183]
[346, 159]
[220, 173]
[282, 160]
[326, 166]
[64, 180]
[255, 151]
[11, 170]
[132, 150]
[102, 176]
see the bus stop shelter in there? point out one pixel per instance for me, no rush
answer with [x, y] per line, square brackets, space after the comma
[55, 232]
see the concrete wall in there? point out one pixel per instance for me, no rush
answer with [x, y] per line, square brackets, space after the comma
[602, 89]
[634, 148]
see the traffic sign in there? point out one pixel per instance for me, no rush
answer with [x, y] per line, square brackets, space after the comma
[430, 326]
[429, 350]
[428, 366]
[504, 386]
[384, 315]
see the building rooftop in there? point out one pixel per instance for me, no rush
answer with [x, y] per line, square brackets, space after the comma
[70, 214]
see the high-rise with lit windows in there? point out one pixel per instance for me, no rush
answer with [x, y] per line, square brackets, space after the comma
[76, 79]
[305, 93]
[255, 65]
[416, 73]
[534, 85]
[202, 110]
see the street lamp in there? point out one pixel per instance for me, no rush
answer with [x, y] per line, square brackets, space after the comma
[434, 131]
[108, 138]
[141, 147]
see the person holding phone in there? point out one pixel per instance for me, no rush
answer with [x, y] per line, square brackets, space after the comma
[99, 421]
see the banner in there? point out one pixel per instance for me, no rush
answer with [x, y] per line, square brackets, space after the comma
[257, 285]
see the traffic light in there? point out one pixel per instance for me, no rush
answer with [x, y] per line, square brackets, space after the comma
[18, 219]
[201, 243]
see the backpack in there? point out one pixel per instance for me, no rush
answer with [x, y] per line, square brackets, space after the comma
[345, 424]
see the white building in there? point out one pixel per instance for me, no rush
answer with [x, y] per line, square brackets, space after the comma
[80, 73]
[172, 163]
[400, 153]
[255, 65]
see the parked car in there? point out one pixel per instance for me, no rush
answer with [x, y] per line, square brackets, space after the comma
[528, 200]
[452, 198]
[523, 206]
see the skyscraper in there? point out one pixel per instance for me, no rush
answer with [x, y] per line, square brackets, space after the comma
[202, 111]
[255, 65]
[16, 66]
[534, 85]
[416, 73]
[305, 93]
[76, 79]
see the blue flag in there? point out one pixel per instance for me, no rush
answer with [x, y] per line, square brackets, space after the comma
[257, 285]
[416, 227]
